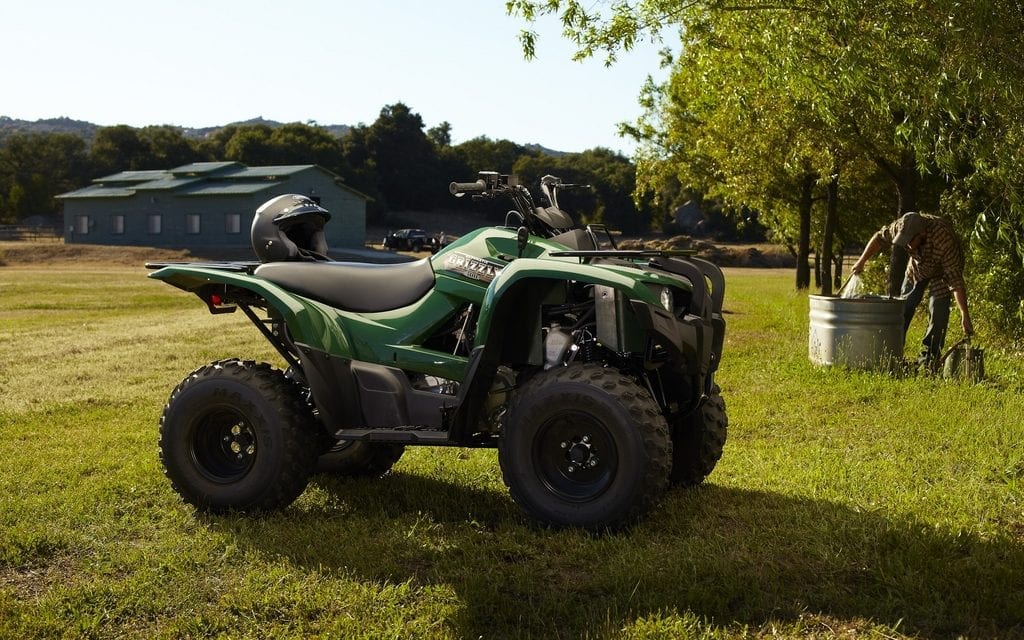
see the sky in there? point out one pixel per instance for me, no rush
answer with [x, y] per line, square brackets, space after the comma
[200, 63]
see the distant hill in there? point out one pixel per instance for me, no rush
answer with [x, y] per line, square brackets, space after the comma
[545, 151]
[88, 130]
[337, 130]
[51, 125]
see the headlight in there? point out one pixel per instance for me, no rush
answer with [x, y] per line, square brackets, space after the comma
[667, 300]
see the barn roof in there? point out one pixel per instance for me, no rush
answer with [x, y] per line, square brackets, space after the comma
[100, 191]
[196, 179]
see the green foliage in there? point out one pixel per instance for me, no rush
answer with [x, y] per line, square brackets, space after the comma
[612, 178]
[394, 161]
[441, 135]
[904, 105]
[120, 148]
[36, 167]
[250, 144]
[484, 154]
[169, 147]
[404, 161]
[997, 289]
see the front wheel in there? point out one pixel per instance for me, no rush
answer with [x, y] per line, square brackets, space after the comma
[238, 435]
[698, 440]
[585, 446]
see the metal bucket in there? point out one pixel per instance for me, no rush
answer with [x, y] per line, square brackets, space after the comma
[860, 333]
[964, 362]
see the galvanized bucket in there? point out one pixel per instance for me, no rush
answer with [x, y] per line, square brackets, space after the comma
[964, 362]
[859, 333]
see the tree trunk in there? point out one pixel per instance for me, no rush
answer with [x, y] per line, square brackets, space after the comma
[906, 179]
[826, 242]
[803, 267]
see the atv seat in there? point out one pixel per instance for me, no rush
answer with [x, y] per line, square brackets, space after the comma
[353, 286]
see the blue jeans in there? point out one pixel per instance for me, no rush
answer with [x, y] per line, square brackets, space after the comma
[938, 322]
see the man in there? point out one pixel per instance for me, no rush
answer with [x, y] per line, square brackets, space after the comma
[936, 263]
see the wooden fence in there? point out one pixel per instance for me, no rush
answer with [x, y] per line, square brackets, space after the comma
[30, 232]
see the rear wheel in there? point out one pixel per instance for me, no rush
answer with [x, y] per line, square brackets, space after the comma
[698, 440]
[584, 446]
[238, 435]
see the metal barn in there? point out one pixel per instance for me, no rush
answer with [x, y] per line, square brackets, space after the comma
[205, 204]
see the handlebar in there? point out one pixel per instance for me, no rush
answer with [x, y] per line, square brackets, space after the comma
[492, 184]
[459, 189]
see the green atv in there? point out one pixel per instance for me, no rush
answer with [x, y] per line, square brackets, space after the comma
[589, 368]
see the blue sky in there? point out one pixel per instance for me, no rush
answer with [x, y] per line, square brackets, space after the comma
[201, 63]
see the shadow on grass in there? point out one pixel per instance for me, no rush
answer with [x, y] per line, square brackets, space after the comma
[728, 556]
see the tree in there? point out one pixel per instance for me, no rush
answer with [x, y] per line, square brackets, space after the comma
[168, 147]
[36, 167]
[299, 143]
[250, 144]
[213, 146]
[121, 148]
[748, 142]
[611, 178]
[293, 143]
[441, 135]
[485, 154]
[399, 160]
[924, 93]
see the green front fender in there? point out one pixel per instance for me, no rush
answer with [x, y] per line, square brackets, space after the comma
[509, 324]
[533, 274]
[308, 322]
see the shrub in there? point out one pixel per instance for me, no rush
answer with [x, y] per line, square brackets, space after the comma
[996, 291]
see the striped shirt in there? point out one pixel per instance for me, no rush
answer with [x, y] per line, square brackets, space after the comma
[939, 257]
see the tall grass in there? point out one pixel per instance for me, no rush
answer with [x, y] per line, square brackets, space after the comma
[846, 504]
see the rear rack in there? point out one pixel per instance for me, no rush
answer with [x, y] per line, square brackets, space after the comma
[239, 266]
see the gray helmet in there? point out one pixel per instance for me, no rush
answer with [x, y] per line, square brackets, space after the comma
[289, 227]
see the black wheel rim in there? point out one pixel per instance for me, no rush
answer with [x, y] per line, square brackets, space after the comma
[223, 445]
[575, 456]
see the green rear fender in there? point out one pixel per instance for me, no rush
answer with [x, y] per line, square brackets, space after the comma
[308, 322]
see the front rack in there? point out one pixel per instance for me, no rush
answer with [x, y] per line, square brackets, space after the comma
[628, 254]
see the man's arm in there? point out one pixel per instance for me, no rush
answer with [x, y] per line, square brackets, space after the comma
[960, 295]
[870, 251]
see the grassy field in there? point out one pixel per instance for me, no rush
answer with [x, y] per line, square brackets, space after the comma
[846, 504]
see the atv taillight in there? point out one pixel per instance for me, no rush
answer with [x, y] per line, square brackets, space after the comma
[213, 296]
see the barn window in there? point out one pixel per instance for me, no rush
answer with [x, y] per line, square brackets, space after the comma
[192, 223]
[155, 223]
[82, 224]
[117, 225]
[232, 223]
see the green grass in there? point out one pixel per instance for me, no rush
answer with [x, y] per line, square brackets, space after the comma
[846, 504]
